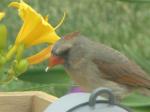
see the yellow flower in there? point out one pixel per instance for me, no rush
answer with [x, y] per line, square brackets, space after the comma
[35, 30]
[2, 14]
[39, 57]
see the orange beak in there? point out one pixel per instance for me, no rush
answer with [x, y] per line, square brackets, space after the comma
[54, 60]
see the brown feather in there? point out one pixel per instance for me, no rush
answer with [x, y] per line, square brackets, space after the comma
[126, 73]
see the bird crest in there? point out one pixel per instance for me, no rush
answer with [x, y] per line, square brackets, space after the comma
[70, 35]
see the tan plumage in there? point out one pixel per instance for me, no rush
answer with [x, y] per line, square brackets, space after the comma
[92, 65]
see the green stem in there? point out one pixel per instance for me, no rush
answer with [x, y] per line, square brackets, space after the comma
[11, 75]
[11, 52]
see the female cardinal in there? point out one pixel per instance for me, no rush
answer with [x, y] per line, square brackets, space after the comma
[92, 65]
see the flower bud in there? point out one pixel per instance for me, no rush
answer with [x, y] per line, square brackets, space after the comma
[3, 36]
[2, 60]
[21, 66]
[19, 53]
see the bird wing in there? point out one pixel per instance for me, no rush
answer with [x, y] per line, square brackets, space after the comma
[123, 72]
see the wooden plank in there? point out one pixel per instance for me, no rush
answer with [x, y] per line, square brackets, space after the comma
[41, 101]
[32, 101]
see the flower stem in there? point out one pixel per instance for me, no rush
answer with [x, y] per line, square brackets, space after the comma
[11, 75]
[11, 52]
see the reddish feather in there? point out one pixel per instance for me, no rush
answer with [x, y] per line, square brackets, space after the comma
[71, 35]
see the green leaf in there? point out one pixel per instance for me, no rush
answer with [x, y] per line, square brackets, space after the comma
[136, 100]
[55, 75]
[141, 109]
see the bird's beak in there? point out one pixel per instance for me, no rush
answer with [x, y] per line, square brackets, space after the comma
[53, 61]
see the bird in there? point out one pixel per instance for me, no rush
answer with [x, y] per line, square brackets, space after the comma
[92, 65]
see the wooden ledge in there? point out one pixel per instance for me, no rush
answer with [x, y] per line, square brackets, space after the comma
[31, 101]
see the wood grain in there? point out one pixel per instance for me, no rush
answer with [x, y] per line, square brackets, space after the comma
[32, 101]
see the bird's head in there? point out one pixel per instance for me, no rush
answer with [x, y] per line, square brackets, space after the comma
[61, 49]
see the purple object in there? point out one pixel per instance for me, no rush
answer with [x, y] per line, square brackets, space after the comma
[76, 90]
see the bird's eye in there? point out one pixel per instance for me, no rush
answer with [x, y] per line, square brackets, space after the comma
[61, 50]
[53, 51]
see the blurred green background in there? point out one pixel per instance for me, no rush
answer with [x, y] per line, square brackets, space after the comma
[121, 24]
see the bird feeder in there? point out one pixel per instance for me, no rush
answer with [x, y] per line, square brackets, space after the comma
[86, 102]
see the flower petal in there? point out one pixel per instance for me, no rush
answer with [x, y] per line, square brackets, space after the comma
[45, 38]
[2, 14]
[35, 27]
[39, 57]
